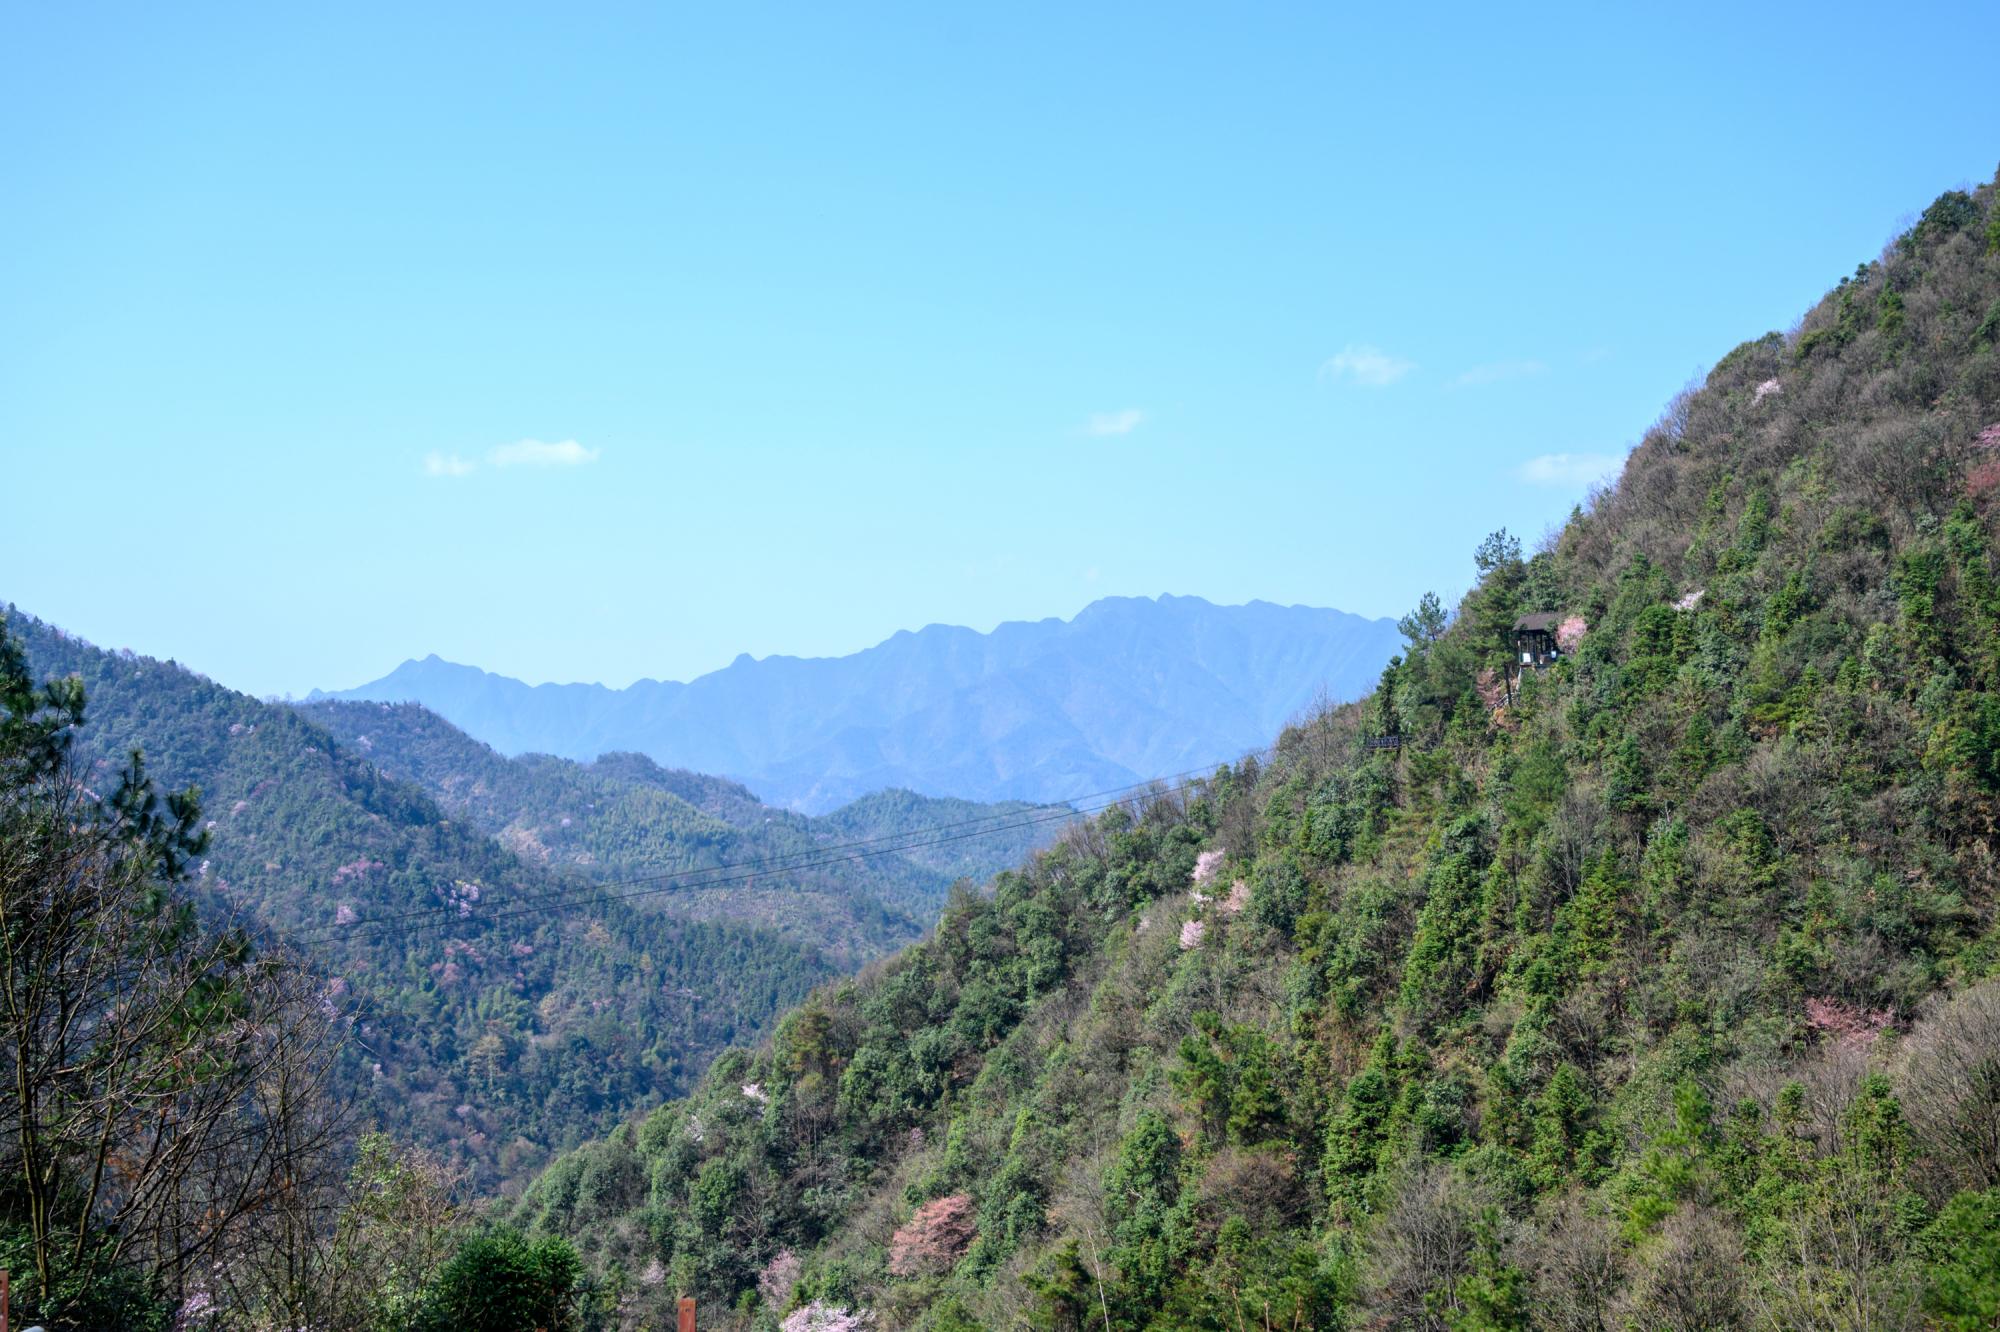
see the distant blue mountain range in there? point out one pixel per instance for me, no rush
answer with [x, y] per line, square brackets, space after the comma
[1130, 689]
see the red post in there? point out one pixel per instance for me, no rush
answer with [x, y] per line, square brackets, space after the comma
[3, 1299]
[687, 1314]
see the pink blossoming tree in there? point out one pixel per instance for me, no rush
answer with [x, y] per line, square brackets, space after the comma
[775, 1282]
[1847, 1024]
[1207, 865]
[934, 1238]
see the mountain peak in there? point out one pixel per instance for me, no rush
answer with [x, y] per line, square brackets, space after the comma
[1130, 687]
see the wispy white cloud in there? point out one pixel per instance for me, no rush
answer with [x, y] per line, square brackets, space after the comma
[535, 453]
[521, 453]
[1370, 367]
[1496, 372]
[1570, 469]
[1122, 422]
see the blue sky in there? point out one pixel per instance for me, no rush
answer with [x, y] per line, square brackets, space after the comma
[611, 344]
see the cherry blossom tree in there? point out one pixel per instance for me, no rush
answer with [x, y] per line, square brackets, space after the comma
[1207, 865]
[934, 1238]
[775, 1282]
[1848, 1024]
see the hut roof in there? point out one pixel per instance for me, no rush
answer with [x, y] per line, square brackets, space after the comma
[1540, 622]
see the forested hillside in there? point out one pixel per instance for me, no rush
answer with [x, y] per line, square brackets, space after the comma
[624, 817]
[1656, 989]
[491, 1033]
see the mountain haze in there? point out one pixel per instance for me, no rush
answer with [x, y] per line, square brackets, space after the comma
[1129, 689]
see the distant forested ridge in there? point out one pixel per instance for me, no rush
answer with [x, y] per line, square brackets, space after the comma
[492, 1027]
[624, 817]
[1128, 690]
[1658, 988]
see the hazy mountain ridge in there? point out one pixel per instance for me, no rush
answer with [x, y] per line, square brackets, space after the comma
[1129, 689]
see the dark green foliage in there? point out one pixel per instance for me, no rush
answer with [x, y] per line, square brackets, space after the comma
[1498, 551]
[1062, 1289]
[1357, 1133]
[1952, 211]
[1228, 1077]
[1565, 1141]
[84, 1295]
[1425, 624]
[1494, 1296]
[1964, 1288]
[1889, 317]
[1439, 970]
[1142, 1196]
[502, 1282]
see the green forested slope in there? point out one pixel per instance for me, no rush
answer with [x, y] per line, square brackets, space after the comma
[938, 829]
[624, 817]
[492, 1037]
[1666, 995]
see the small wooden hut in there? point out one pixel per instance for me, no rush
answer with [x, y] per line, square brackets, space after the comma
[1535, 639]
